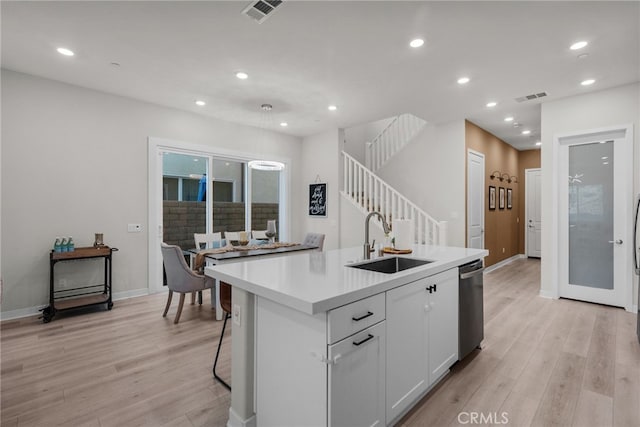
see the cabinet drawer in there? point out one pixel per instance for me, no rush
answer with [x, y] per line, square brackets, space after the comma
[354, 317]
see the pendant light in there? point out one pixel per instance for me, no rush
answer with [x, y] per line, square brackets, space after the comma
[266, 165]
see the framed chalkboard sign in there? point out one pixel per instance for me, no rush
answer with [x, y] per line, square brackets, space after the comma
[318, 199]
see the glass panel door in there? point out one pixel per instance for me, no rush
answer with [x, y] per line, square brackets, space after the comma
[265, 199]
[591, 206]
[184, 209]
[594, 217]
[229, 192]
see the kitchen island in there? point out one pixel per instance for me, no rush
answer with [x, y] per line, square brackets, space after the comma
[319, 342]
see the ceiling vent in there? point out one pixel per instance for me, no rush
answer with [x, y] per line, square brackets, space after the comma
[532, 97]
[260, 10]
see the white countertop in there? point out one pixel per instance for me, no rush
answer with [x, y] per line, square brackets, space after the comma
[315, 282]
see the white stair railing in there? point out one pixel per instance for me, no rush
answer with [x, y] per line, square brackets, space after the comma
[370, 193]
[396, 135]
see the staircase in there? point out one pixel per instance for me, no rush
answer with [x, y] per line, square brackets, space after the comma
[370, 193]
[396, 135]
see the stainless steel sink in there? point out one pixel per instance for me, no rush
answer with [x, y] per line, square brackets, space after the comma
[390, 265]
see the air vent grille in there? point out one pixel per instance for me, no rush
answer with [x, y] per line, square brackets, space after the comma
[260, 10]
[531, 97]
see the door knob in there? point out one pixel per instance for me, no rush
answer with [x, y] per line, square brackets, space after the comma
[617, 242]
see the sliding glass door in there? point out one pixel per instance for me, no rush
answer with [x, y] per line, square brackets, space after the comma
[194, 189]
[265, 199]
[184, 207]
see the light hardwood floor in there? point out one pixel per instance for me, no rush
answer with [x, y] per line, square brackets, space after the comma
[544, 362]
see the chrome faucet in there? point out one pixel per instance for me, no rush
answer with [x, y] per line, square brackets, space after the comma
[369, 248]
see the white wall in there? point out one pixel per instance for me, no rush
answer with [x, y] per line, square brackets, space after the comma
[430, 171]
[321, 157]
[74, 162]
[611, 107]
[356, 137]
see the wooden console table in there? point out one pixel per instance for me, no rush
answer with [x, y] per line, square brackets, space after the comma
[65, 299]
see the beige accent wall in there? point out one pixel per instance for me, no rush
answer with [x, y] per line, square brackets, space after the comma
[501, 226]
[528, 159]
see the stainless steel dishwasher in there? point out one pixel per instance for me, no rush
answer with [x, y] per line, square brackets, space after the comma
[470, 308]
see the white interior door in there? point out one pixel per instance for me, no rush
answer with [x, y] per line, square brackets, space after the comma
[595, 215]
[533, 216]
[475, 200]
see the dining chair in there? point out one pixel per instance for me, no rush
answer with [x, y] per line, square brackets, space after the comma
[206, 239]
[181, 278]
[259, 235]
[314, 239]
[225, 302]
[231, 236]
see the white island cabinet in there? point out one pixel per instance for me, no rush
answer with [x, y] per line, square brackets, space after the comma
[422, 330]
[317, 342]
[313, 367]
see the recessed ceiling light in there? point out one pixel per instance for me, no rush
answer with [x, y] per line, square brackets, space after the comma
[284, 124]
[463, 80]
[200, 103]
[578, 45]
[587, 82]
[64, 51]
[526, 132]
[605, 158]
[538, 143]
[491, 104]
[242, 76]
[332, 108]
[416, 43]
[508, 119]
[605, 163]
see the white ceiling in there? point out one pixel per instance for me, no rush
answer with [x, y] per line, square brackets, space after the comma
[310, 54]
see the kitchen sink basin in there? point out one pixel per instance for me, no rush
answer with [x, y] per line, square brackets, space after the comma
[391, 265]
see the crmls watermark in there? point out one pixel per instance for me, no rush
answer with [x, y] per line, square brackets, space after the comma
[483, 418]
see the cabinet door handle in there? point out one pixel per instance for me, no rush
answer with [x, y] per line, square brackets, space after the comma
[364, 316]
[369, 337]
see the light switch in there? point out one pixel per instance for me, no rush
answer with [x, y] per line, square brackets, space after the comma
[134, 228]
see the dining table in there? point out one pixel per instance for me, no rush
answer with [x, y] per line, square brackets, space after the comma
[238, 253]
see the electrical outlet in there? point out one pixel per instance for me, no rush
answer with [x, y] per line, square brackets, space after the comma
[236, 314]
[62, 283]
[134, 228]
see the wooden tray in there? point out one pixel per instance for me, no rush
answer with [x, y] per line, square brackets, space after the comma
[396, 251]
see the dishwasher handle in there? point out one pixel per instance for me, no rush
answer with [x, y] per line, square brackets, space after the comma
[473, 273]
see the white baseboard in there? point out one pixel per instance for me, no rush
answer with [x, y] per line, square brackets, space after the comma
[22, 312]
[547, 294]
[33, 311]
[236, 421]
[504, 262]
